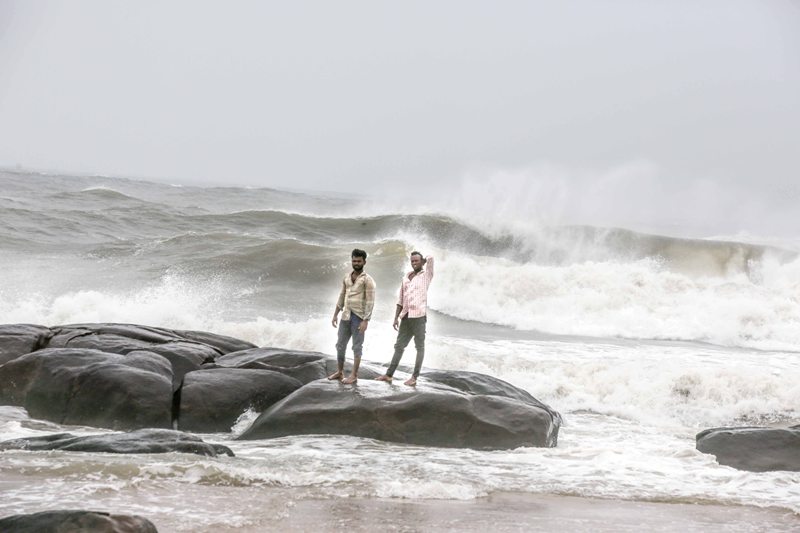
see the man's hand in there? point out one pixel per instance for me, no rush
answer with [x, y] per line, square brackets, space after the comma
[396, 324]
[363, 326]
[335, 321]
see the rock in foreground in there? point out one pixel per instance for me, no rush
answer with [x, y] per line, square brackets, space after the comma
[76, 521]
[755, 449]
[431, 414]
[140, 441]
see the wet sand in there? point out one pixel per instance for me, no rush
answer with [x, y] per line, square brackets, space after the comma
[199, 508]
[524, 512]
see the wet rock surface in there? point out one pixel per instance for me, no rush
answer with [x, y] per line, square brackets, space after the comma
[430, 414]
[212, 400]
[70, 521]
[123, 376]
[303, 366]
[757, 449]
[90, 387]
[139, 441]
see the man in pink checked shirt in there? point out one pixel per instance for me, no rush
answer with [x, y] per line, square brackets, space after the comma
[412, 305]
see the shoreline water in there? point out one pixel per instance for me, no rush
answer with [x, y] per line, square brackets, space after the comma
[256, 509]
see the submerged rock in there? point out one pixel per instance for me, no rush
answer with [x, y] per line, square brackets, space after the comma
[76, 521]
[756, 449]
[431, 414]
[139, 441]
[212, 400]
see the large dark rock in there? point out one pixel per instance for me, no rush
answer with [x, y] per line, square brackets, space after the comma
[139, 441]
[756, 449]
[75, 522]
[431, 414]
[19, 339]
[184, 353]
[303, 366]
[222, 343]
[90, 387]
[475, 383]
[212, 400]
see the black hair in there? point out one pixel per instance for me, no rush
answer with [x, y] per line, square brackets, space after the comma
[416, 253]
[359, 253]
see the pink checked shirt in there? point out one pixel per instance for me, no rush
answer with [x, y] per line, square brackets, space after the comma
[414, 291]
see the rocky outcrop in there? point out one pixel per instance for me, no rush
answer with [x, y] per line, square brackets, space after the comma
[431, 414]
[76, 521]
[212, 400]
[91, 387]
[756, 449]
[185, 351]
[139, 441]
[103, 375]
[126, 377]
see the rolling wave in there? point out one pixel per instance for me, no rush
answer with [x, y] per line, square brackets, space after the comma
[268, 250]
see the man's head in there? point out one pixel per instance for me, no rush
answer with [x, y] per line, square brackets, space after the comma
[417, 261]
[359, 259]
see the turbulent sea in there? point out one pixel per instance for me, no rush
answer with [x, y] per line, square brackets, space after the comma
[639, 341]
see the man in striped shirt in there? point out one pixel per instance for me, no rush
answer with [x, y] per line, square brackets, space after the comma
[412, 305]
[356, 300]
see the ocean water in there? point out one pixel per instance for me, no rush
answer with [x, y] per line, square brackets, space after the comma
[639, 341]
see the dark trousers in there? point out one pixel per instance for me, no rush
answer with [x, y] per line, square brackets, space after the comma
[348, 329]
[409, 327]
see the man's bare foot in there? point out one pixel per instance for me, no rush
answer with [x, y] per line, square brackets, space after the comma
[387, 379]
[411, 382]
[350, 380]
[336, 375]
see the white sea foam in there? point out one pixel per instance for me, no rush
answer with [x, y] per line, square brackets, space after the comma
[664, 385]
[668, 386]
[638, 299]
[179, 302]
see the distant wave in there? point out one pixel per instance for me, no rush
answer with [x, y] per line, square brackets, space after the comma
[119, 217]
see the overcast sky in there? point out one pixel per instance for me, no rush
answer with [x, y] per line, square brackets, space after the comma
[695, 96]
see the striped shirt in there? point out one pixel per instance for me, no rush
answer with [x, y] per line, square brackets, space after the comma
[413, 298]
[358, 297]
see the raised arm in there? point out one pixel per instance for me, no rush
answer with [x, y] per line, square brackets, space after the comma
[429, 267]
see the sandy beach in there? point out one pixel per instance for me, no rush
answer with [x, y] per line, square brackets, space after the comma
[508, 512]
[203, 508]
